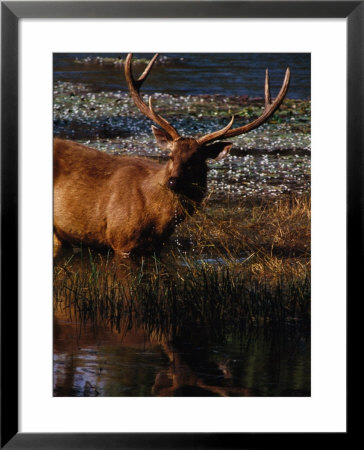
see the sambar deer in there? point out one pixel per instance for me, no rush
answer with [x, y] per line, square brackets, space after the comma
[133, 204]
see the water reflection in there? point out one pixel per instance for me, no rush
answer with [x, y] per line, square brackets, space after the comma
[133, 354]
[98, 361]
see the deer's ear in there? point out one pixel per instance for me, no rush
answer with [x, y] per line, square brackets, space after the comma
[218, 150]
[163, 139]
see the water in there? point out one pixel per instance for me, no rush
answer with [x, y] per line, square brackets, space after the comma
[194, 73]
[99, 361]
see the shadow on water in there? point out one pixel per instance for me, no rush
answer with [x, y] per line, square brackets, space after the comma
[133, 329]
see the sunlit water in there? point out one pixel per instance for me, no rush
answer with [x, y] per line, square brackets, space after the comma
[197, 94]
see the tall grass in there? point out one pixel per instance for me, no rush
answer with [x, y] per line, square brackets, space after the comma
[236, 268]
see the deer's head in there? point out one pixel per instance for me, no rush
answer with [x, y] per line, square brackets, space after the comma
[187, 157]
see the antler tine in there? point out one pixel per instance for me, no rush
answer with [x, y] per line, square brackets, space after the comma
[217, 134]
[269, 109]
[134, 87]
[267, 97]
[144, 75]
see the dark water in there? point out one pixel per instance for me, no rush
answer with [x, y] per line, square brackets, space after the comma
[98, 361]
[194, 73]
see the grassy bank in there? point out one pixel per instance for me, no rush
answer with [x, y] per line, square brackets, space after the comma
[225, 268]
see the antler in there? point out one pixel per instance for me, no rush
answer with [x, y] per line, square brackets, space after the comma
[134, 87]
[270, 108]
[226, 132]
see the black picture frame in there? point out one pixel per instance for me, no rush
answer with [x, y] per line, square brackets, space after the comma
[11, 12]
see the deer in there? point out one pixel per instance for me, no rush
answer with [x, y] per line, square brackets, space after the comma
[133, 204]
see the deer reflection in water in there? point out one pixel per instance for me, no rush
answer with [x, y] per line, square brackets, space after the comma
[183, 374]
[94, 352]
[192, 374]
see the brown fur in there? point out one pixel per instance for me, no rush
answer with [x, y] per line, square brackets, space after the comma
[125, 202]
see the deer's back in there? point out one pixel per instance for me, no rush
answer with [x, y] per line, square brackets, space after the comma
[97, 195]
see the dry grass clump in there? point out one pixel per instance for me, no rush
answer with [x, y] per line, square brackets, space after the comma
[280, 228]
[269, 239]
[284, 227]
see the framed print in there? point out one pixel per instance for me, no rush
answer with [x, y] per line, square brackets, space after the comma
[203, 286]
